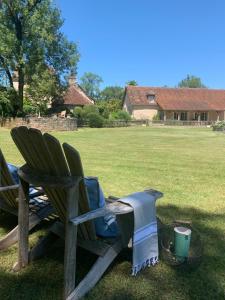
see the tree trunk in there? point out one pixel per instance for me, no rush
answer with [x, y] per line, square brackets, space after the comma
[20, 87]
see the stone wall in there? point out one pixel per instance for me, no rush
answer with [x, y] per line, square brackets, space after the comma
[44, 124]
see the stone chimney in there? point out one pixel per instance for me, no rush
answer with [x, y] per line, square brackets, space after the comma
[72, 80]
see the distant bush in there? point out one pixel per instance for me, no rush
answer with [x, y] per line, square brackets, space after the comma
[77, 112]
[120, 115]
[219, 126]
[156, 117]
[95, 120]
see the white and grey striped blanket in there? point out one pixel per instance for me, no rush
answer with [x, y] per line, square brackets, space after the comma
[145, 237]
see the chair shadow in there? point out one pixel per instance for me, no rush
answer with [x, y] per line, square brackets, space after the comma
[43, 279]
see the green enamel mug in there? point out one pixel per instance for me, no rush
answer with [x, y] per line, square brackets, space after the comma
[182, 242]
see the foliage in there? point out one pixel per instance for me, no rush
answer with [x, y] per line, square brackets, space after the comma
[112, 93]
[132, 82]
[29, 108]
[120, 115]
[83, 114]
[42, 89]
[191, 82]
[87, 110]
[109, 106]
[31, 43]
[95, 120]
[156, 117]
[90, 83]
[6, 99]
[77, 112]
[219, 126]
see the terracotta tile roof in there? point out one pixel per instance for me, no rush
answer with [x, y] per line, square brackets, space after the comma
[187, 99]
[76, 96]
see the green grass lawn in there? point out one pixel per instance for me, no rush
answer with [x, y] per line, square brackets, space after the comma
[186, 164]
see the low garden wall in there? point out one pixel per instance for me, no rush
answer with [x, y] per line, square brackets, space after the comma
[44, 124]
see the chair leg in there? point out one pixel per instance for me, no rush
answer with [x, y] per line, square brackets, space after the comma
[70, 241]
[96, 272]
[23, 226]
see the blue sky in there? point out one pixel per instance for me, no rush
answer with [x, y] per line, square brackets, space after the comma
[155, 42]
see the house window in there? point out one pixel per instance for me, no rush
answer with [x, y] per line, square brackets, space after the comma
[183, 116]
[161, 115]
[151, 98]
[204, 116]
[196, 116]
[175, 116]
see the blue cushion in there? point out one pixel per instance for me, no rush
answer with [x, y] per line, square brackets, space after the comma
[14, 172]
[104, 226]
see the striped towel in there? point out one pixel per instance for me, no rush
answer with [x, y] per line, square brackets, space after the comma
[145, 237]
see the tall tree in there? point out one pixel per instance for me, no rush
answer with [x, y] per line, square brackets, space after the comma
[31, 43]
[112, 93]
[132, 82]
[191, 82]
[90, 83]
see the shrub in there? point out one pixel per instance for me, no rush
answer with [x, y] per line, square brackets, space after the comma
[89, 109]
[219, 126]
[156, 117]
[120, 115]
[95, 120]
[77, 112]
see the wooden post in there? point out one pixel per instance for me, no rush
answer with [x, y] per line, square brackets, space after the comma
[70, 240]
[218, 116]
[23, 224]
[164, 116]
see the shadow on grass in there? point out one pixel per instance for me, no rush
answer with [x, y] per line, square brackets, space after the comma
[43, 279]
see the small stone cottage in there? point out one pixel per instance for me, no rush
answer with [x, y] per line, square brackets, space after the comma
[74, 96]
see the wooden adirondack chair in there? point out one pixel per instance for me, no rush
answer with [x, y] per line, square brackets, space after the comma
[59, 172]
[38, 210]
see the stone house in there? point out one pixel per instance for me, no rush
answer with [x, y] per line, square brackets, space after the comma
[181, 104]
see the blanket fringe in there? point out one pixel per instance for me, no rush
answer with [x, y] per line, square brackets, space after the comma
[148, 263]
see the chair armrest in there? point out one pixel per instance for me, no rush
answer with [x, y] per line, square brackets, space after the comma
[9, 187]
[116, 208]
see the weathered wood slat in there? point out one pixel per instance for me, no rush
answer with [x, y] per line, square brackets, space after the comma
[7, 180]
[113, 208]
[7, 188]
[76, 169]
[70, 241]
[23, 220]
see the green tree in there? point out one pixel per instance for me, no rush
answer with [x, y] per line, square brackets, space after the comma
[108, 107]
[42, 89]
[191, 82]
[132, 82]
[112, 93]
[90, 83]
[31, 42]
[6, 97]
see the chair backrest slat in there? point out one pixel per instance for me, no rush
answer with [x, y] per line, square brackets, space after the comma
[43, 153]
[6, 180]
[76, 169]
